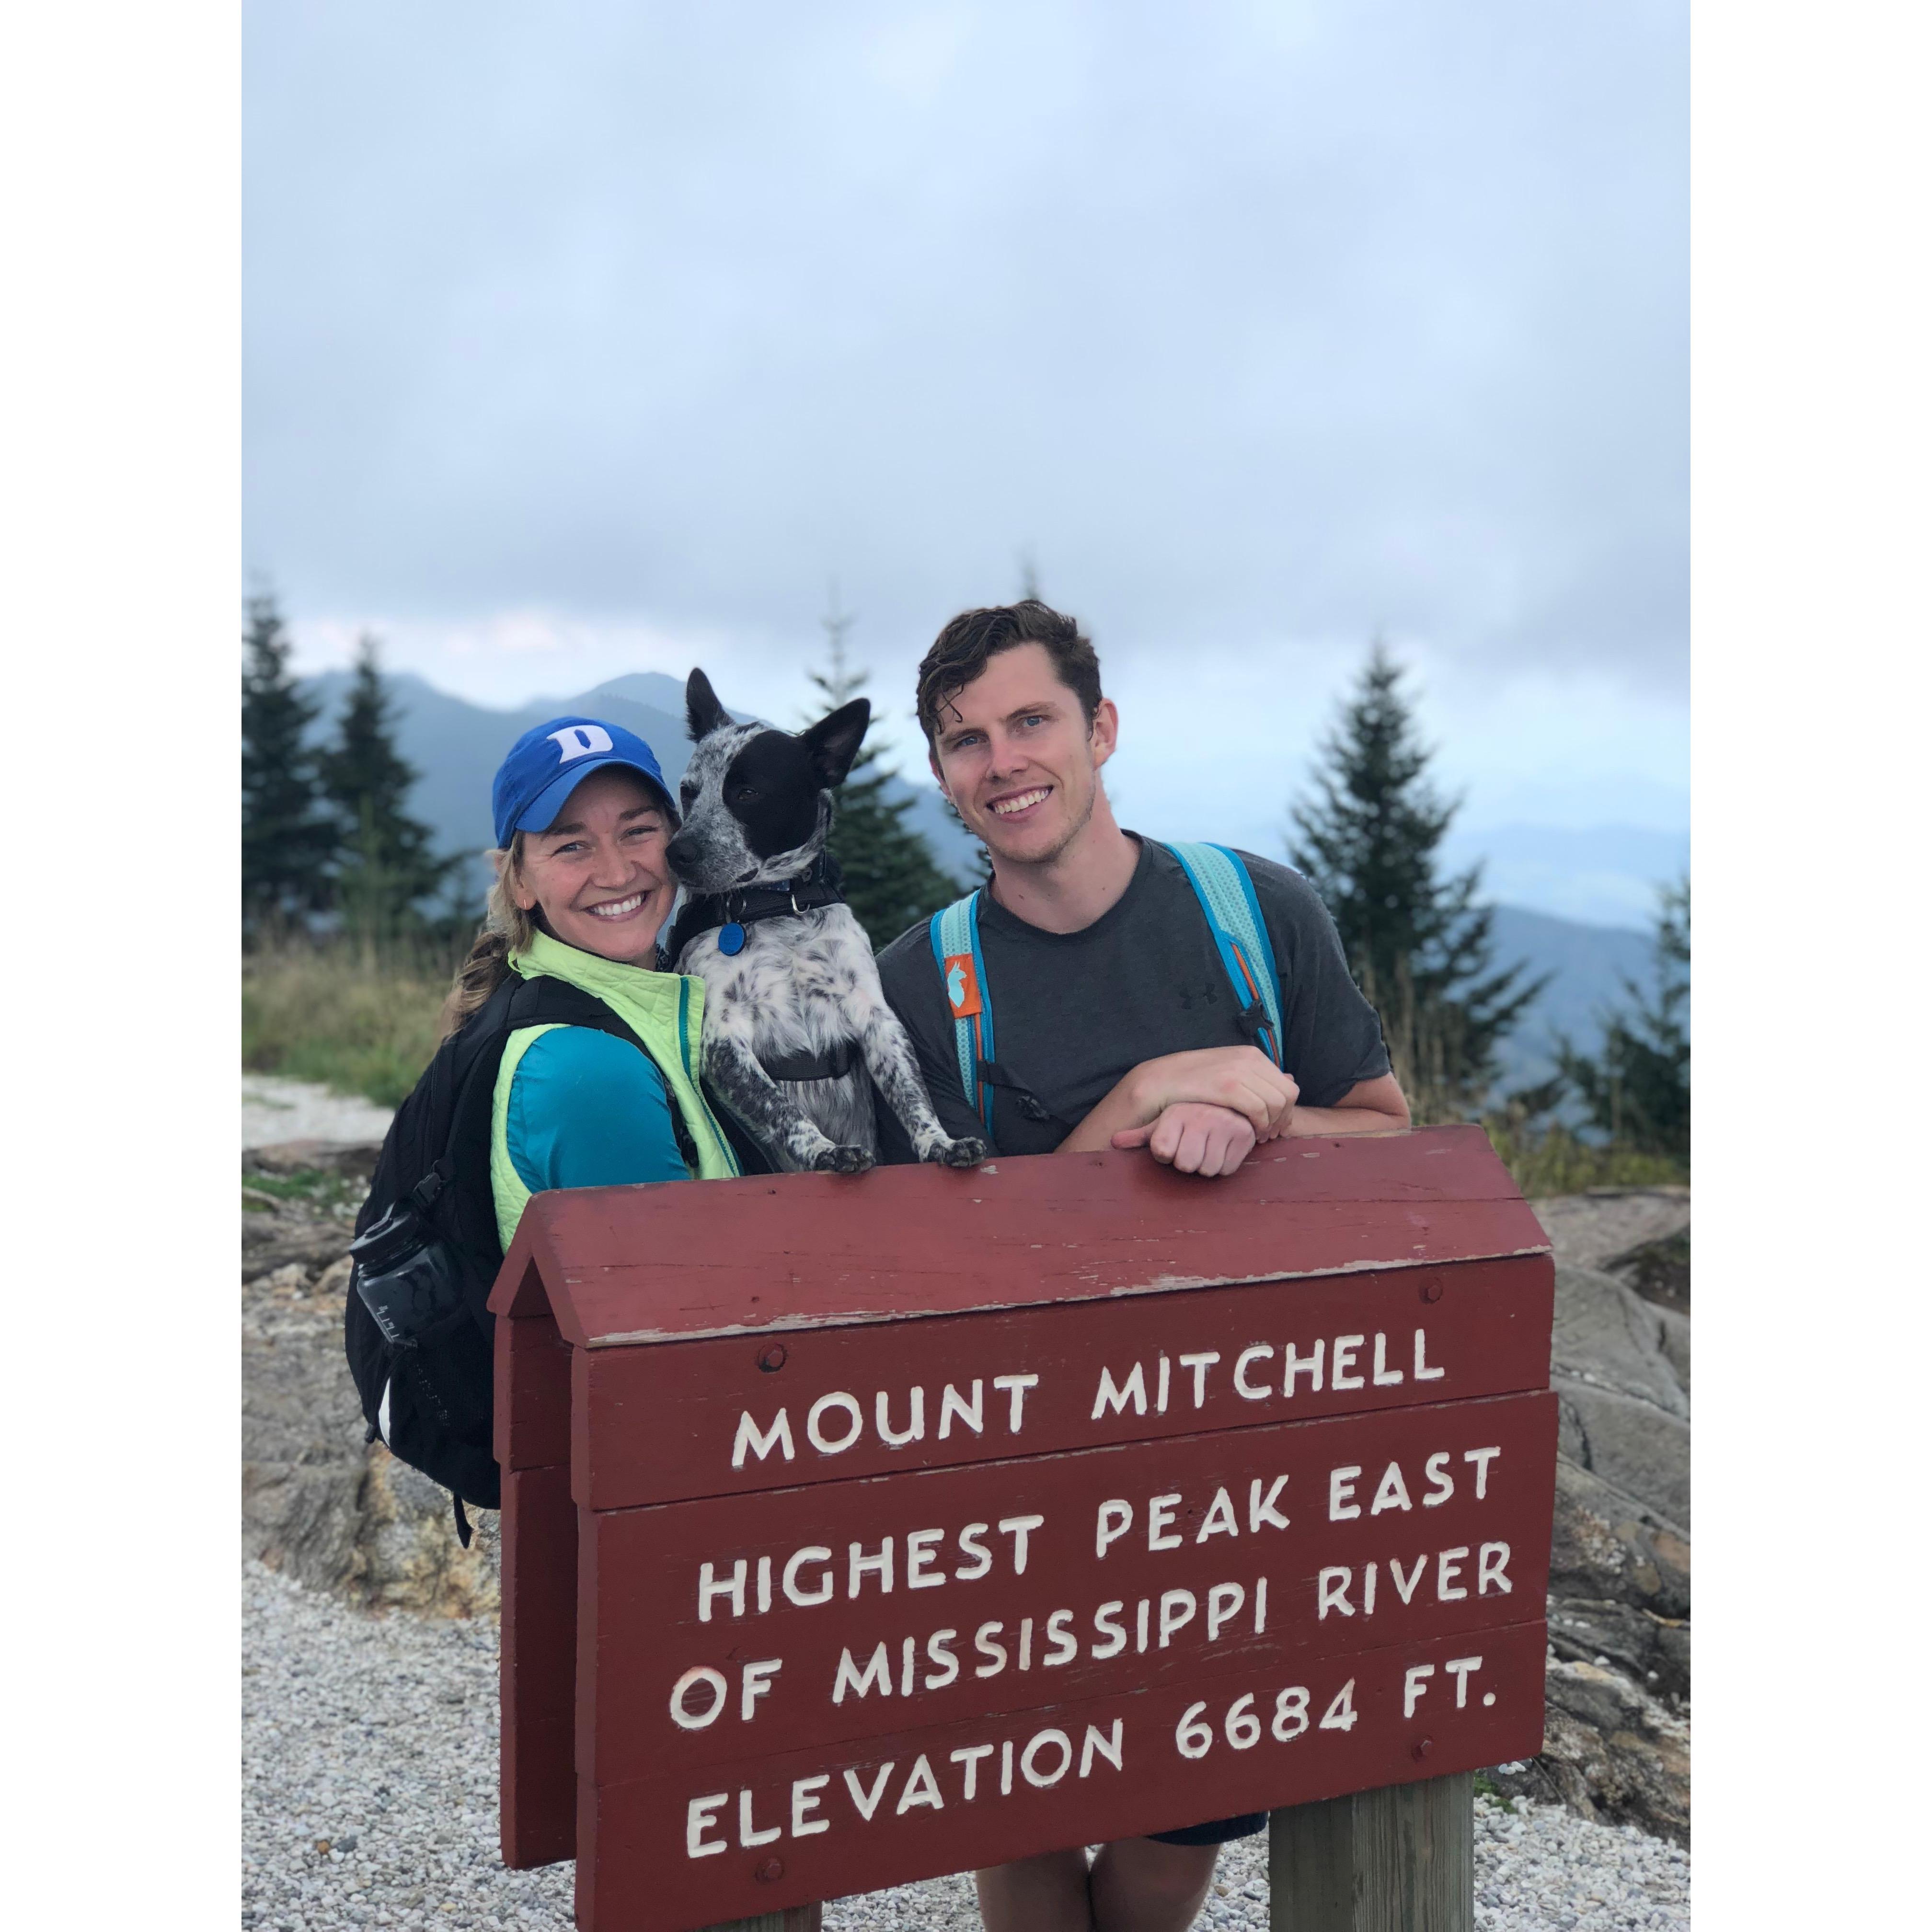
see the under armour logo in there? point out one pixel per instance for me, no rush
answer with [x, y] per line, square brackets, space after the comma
[579, 741]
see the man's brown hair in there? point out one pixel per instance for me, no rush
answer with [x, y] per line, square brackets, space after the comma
[960, 653]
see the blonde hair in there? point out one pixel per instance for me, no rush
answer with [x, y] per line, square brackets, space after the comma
[506, 928]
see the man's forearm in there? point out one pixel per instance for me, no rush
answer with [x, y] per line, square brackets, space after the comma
[1377, 1106]
[1116, 1110]
[1307, 1121]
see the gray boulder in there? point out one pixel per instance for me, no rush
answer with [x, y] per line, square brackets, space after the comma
[1615, 1363]
[1611, 1752]
[1616, 1741]
[319, 1501]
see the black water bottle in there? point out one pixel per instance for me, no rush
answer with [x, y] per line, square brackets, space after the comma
[406, 1277]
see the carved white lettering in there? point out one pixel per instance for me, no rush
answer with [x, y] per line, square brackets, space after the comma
[1260, 1352]
[876, 1675]
[1111, 1522]
[915, 1429]
[1294, 1364]
[970, 1414]
[1016, 1387]
[1262, 1509]
[708, 1588]
[804, 1802]
[700, 1814]
[1341, 1487]
[1414, 1685]
[1201, 1364]
[1160, 1514]
[1219, 1520]
[1347, 1347]
[750, 1441]
[814, 1553]
[1112, 1397]
[814, 1432]
[918, 1559]
[1224, 1605]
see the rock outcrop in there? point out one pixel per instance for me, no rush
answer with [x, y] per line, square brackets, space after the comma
[320, 1501]
[1642, 1235]
[1617, 1739]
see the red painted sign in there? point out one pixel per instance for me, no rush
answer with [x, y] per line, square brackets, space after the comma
[756, 1834]
[828, 1404]
[1127, 1501]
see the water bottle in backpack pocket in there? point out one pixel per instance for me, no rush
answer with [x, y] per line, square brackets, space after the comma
[426, 1351]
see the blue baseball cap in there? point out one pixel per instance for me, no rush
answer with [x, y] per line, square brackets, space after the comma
[550, 761]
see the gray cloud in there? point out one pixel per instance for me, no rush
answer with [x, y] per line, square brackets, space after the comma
[1254, 322]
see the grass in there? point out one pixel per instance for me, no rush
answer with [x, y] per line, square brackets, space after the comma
[308, 1187]
[352, 1019]
[1552, 1160]
[1544, 1159]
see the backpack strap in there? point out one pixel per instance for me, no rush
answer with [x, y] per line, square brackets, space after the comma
[464, 1164]
[955, 933]
[1234, 914]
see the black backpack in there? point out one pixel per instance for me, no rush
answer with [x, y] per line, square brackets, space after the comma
[427, 1250]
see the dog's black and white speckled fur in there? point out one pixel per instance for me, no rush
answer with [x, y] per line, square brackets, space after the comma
[757, 806]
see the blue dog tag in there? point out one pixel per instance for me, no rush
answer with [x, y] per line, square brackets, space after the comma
[731, 938]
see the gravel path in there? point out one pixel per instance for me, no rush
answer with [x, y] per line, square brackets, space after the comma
[369, 1798]
[274, 1109]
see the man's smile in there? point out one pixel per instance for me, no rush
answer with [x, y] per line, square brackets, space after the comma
[1020, 801]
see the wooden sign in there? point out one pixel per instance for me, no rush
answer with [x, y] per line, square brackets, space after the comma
[861, 1529]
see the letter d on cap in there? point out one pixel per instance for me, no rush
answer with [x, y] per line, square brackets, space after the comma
[579, 741]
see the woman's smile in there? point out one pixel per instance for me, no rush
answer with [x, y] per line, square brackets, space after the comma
[616, 909]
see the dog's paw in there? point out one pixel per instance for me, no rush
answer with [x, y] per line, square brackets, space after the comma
[842, 1160]
[966, 1152]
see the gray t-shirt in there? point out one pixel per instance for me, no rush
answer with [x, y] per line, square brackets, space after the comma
[1073, 1011]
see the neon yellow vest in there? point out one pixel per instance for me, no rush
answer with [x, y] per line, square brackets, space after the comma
[665, 1010]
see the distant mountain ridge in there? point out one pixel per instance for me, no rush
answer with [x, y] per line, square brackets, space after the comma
[457, 745]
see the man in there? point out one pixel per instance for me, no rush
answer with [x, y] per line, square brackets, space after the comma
[1115, 1025]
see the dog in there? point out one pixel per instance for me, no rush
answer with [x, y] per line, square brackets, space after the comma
[797, 1033]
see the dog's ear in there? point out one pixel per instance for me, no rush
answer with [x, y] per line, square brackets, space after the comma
[703, 713]
[834, 741]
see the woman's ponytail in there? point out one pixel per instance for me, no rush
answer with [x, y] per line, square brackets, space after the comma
[506, 928]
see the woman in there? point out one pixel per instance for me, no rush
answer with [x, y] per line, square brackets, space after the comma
[582, 891]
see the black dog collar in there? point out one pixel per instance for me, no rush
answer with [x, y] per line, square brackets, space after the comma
[819, 884]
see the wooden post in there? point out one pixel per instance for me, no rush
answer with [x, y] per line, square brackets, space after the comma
[1400, 1859]
[798, 1919]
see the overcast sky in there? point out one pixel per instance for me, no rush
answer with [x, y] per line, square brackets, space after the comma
[601, 338]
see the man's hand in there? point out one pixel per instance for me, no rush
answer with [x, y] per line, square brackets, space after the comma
[1240, 1079]
[1193, 1137]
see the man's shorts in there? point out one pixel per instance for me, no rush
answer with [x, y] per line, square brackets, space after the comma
[1216, 1831]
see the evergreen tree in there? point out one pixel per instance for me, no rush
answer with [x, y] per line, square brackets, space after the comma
[1637, 1086]
[385, 867]
[286, 838]
[1419, 946]
[893, 881]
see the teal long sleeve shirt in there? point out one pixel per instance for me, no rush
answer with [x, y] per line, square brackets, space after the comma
[587, 1109]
